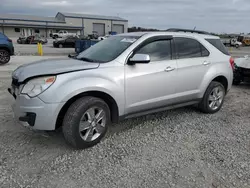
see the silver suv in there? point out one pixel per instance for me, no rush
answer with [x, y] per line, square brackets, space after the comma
[121, 77]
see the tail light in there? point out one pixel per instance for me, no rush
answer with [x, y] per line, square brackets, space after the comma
[232, 62]
[9, 40]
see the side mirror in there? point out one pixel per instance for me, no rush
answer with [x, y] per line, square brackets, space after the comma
[139, 58]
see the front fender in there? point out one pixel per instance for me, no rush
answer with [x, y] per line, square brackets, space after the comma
[65, 88]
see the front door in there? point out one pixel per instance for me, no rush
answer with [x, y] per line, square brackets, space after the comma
[151, 85]
[193, 63]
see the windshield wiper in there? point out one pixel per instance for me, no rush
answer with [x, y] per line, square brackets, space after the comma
[86, 59]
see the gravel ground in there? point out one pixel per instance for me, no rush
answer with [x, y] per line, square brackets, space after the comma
[177, 148]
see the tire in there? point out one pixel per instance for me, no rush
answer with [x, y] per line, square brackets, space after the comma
[236, 82]
[4, 57]
[204, 105]
[55, 36]
[237, 46]
[60, 46]
[80, 111]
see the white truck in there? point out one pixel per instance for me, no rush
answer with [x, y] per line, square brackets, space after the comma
[231, 42]
[62, 34]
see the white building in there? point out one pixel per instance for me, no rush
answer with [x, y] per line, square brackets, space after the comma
[14, 25]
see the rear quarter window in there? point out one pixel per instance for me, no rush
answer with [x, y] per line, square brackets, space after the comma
[189, 48]
[219, 45]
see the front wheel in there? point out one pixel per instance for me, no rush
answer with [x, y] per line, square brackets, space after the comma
[4, 57]
[213, 98]
[86, 122]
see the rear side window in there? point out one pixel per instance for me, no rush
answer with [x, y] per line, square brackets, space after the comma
[219, 45]
[204, 51]
[189, 48]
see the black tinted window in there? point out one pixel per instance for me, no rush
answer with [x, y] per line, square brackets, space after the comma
[188, 48]
[157, 50]
[219, 45]
[204, 51]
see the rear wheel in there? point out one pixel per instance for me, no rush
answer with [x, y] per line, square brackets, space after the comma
[60, 46]
[4, 57]
[213, 98]
[86, 122]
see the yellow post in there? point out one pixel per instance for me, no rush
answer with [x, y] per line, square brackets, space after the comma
[41, 49]
[38, 48]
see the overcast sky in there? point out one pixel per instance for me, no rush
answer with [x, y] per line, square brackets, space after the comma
[209, 15]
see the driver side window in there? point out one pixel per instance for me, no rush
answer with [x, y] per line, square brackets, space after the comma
[159, 50]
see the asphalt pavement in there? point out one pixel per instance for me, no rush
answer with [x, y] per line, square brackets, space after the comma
[48, 49]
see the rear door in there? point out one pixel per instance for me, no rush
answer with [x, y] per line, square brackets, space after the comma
[193, 62]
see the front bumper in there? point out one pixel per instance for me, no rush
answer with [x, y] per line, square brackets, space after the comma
[34, 113]
[12, 51]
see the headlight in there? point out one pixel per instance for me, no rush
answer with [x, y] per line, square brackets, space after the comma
[36, 86]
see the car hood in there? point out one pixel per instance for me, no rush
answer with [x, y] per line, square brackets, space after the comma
[51, 67]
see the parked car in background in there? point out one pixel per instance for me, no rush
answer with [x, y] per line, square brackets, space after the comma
[242, 70]
[231, 42]
[68, 42]
[32, 40]
[94, 35]
[6, 49]
[62, 34]
[124, 76]
[104, 37]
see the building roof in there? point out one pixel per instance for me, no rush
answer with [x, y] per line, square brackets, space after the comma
[21, 17]
[91, 16]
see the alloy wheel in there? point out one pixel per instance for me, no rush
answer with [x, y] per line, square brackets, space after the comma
[216, 98]
[92, 124]
[4, 56]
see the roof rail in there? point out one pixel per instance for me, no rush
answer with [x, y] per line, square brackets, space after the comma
[188, 30]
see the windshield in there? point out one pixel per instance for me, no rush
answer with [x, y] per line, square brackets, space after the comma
[108, 49]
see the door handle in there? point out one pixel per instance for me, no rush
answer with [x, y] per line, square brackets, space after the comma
[168, 69]
[206, 63]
